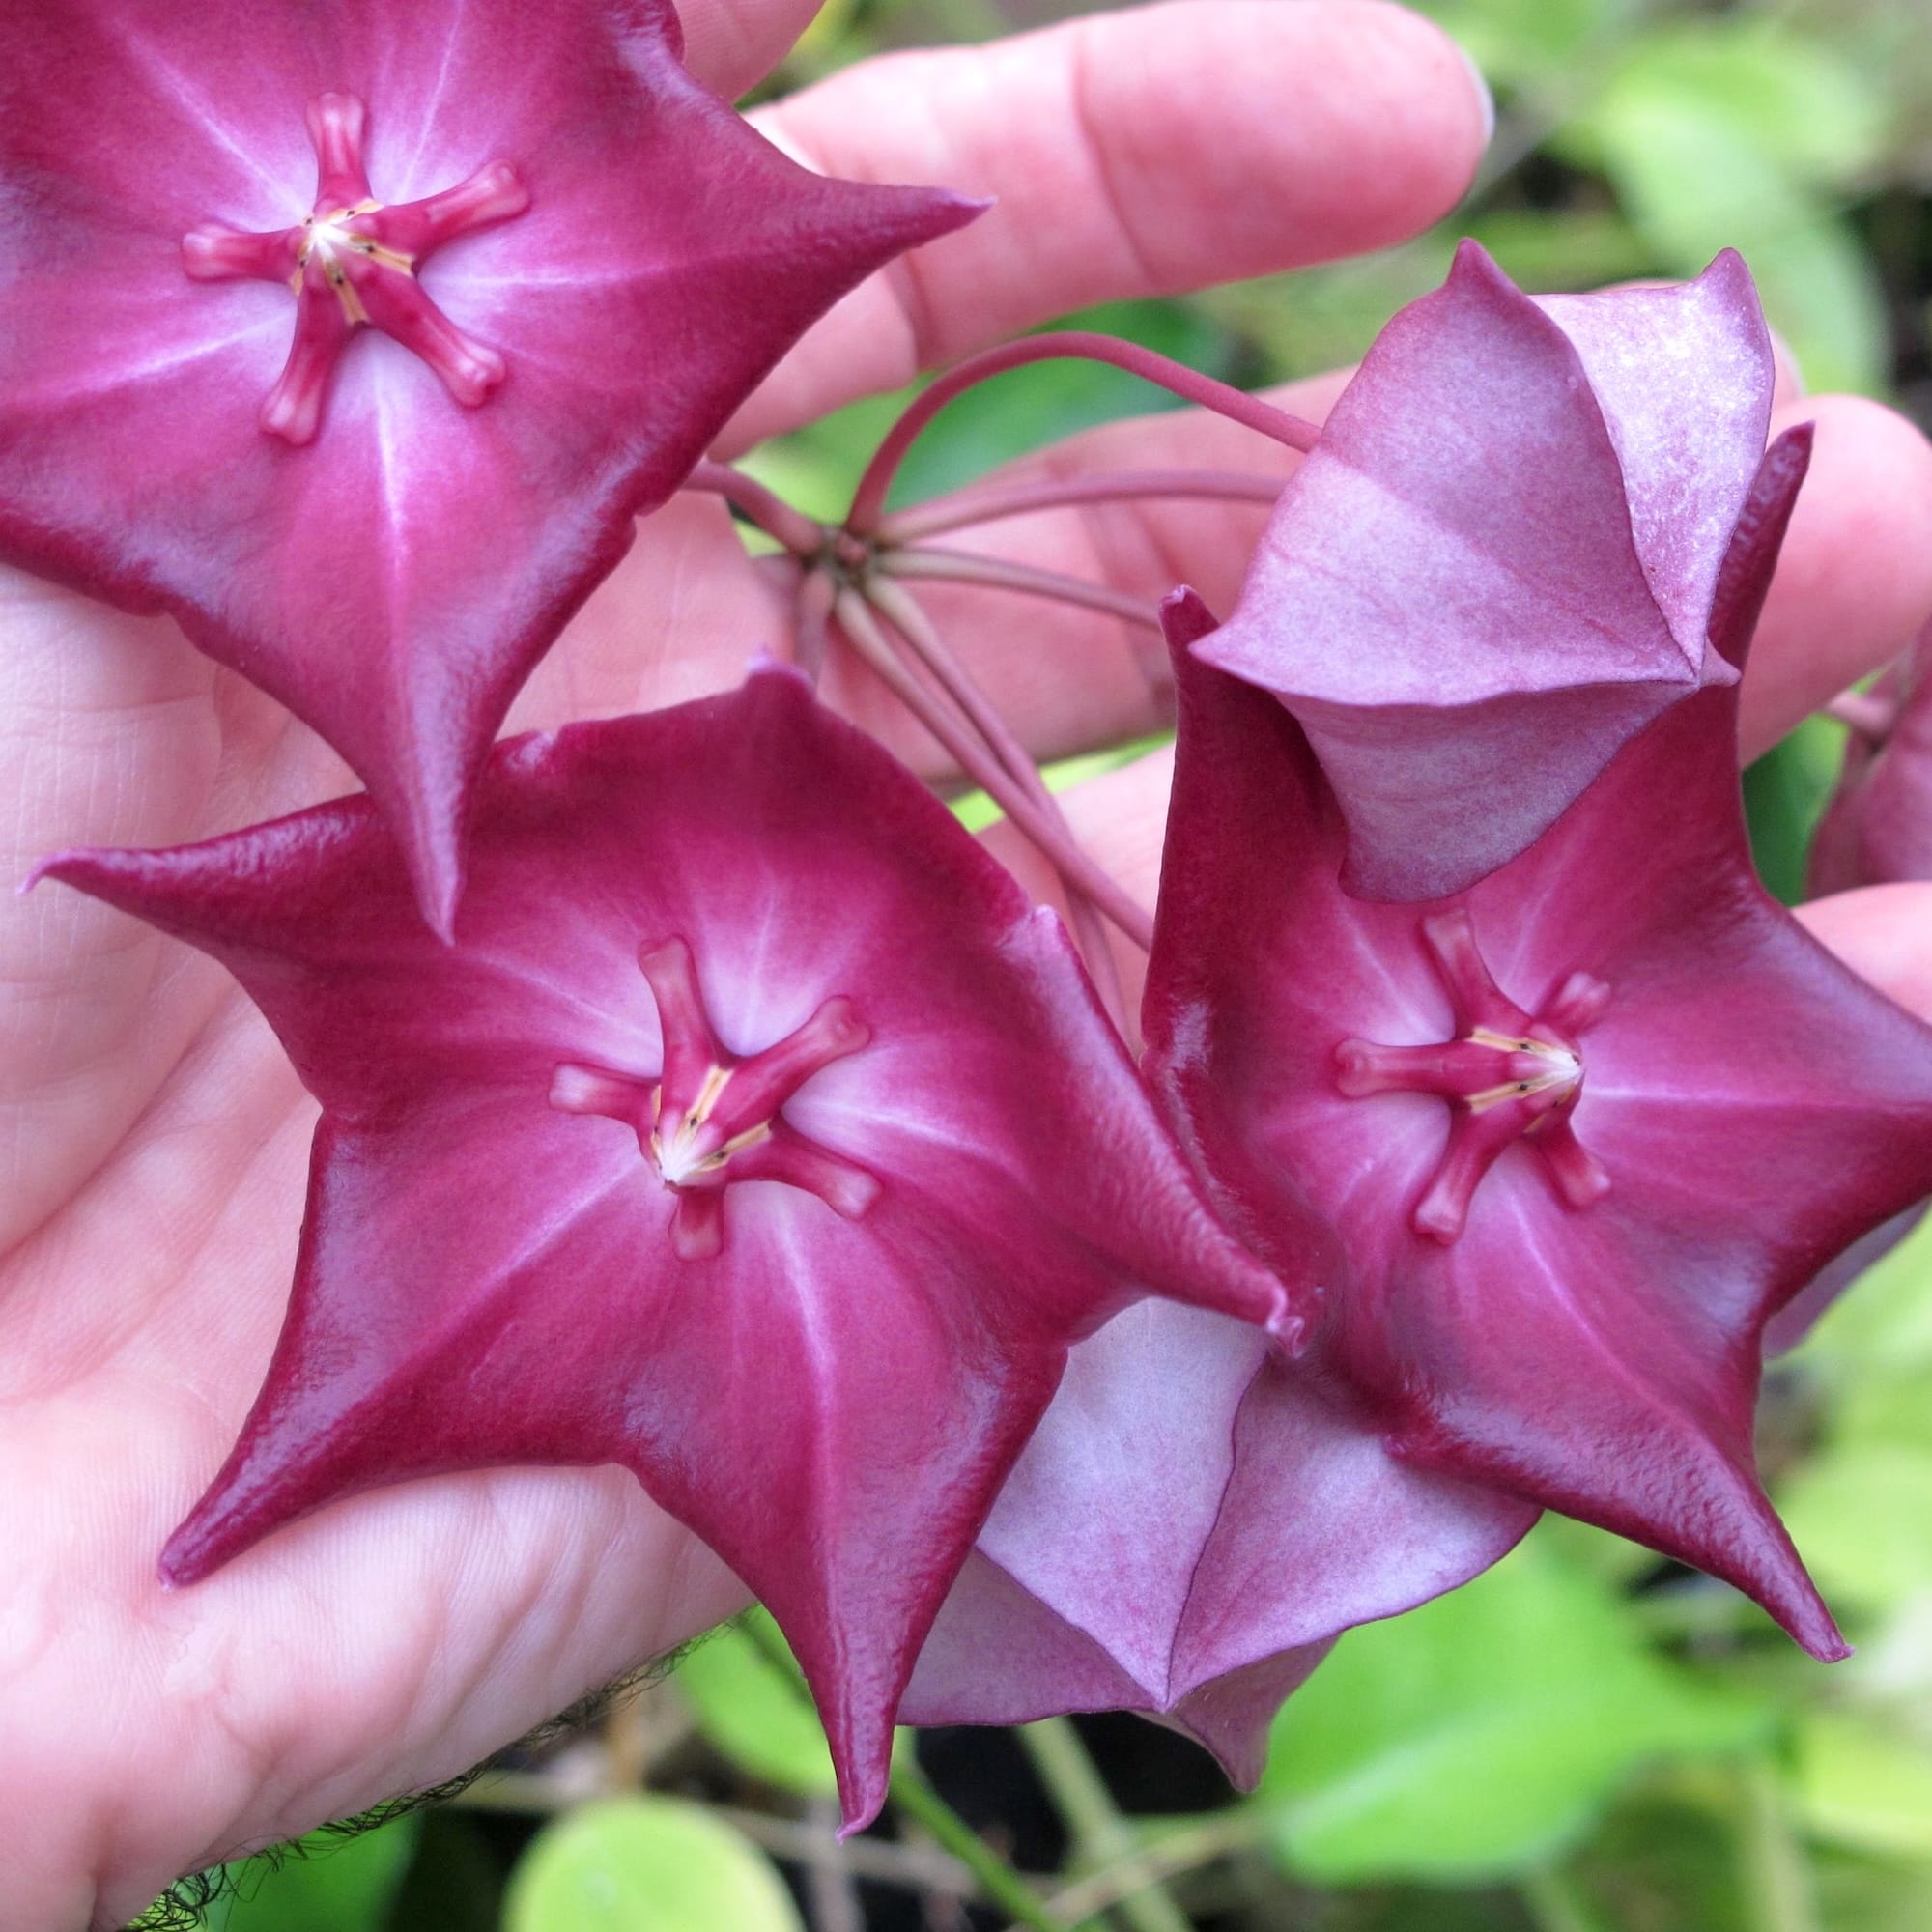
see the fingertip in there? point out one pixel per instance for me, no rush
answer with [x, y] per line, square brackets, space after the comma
[1413, 118]
[732, 45]
[1884, 933]
[1854, 582]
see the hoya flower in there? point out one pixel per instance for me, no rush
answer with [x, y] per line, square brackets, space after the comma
[354, 335]
[1508, 553]
[1878, 827]
[754, 1135]
[1195, 1521]
[1582, 1128]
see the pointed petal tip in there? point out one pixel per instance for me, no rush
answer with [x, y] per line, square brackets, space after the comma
[1186, 619]
[189, 1555]
[862, 1789]
[45, 868]
[1811, 1625]
[1729, 270]
[953, 209]
[1473, 262]
[87, 868]
[436, 870]
[765, 664]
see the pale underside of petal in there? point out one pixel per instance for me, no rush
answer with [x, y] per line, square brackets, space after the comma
[1683, 375]
[1450, 596]
[1188, 1511]
[1459, 530]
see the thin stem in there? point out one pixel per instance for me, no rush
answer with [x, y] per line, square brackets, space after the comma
[987, 506]
[1095, 1823]
[958, 566]
[834, 1895]
[861, 631]
[1183, 1851]
[763, 507]
[811, 621]
[901, 611]
[869, 501]
[1556, 1903]
[913, 1793]
[1771, 1867]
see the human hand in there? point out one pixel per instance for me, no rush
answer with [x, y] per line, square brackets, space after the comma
[155, 1137]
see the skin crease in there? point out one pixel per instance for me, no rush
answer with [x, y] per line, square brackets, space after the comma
[152, 1141]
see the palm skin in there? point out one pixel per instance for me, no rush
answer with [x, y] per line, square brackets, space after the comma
[154, 1141]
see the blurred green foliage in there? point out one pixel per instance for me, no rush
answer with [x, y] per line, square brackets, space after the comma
[1585, 1740]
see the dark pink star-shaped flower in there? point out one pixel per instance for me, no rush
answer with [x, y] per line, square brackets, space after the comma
[1194, 1521]
[356, 335]
[754, 1135]
[1582, 1128]
[1513, 546]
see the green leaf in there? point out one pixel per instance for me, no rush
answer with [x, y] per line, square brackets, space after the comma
[333, 1885]
[1880, 1333]
[1519, 41]
[1785, 793]
[1863, 1786]
[1480, 1734]
[759, 1721]
[1867, 1895]
[1790, 94]
[1692, 182]
[1858, 1512]
[646, 1864]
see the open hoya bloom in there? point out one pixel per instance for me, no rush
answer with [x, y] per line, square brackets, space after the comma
[1582, 1128]
[754, 1135]
[1195, 1521]
[1507, 552]
[356, 335]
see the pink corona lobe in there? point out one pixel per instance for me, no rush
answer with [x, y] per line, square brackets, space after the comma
[352, 264]
[1508, 1075]
[711, 1118]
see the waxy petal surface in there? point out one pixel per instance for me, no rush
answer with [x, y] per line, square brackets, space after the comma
[1753, 1106]
[1192, 1524]
[831, 1389]
[1499, 561]
[394, 580]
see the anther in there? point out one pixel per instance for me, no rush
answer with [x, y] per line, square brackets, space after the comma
[1508, 1075]
[711, 1117]
[352, 264]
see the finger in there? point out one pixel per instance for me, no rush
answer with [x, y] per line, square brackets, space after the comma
[1884, 933]
[1854, 582]
[1120, 820]
[114, 733]
[1134, 153]
[732, 45]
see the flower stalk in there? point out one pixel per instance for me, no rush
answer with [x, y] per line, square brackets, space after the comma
[869, 500]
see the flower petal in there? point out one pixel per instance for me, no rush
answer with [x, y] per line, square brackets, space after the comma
[1500, 560]
[827, 1381]
[394, 581]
